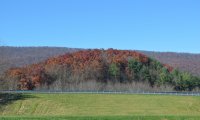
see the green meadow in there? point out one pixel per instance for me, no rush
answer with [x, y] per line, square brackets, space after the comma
[98, 107]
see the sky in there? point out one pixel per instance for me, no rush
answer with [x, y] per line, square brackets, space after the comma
[154, 25]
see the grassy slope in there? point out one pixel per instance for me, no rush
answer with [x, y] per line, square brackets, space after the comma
[106, 118]
[100, 105]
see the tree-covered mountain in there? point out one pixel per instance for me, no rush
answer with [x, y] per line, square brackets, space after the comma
[101, 66]
[183, 61]
[21, 56]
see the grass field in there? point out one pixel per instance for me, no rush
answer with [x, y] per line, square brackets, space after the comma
[105, 118]
[100, 107]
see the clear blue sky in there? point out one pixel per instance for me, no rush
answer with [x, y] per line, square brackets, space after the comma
[156, 25]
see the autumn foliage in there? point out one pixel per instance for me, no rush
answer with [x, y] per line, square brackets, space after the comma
[82, 65]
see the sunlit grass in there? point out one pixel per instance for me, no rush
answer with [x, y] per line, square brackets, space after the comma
[99, 105]
[105, 118]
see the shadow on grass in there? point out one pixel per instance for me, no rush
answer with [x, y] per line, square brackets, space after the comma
[8, 98]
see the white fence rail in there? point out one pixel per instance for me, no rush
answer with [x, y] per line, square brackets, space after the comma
[106, 92]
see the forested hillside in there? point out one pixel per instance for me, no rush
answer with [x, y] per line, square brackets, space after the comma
[99, 66]
[20, 56]
[183, 61]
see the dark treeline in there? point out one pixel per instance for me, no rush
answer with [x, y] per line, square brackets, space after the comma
[100, 70]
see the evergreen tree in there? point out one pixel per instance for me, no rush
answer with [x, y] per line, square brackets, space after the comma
[114, 71]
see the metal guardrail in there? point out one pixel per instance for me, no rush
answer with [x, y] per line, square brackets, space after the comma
[105, 92]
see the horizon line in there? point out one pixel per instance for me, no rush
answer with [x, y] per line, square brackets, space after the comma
[43, 46]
